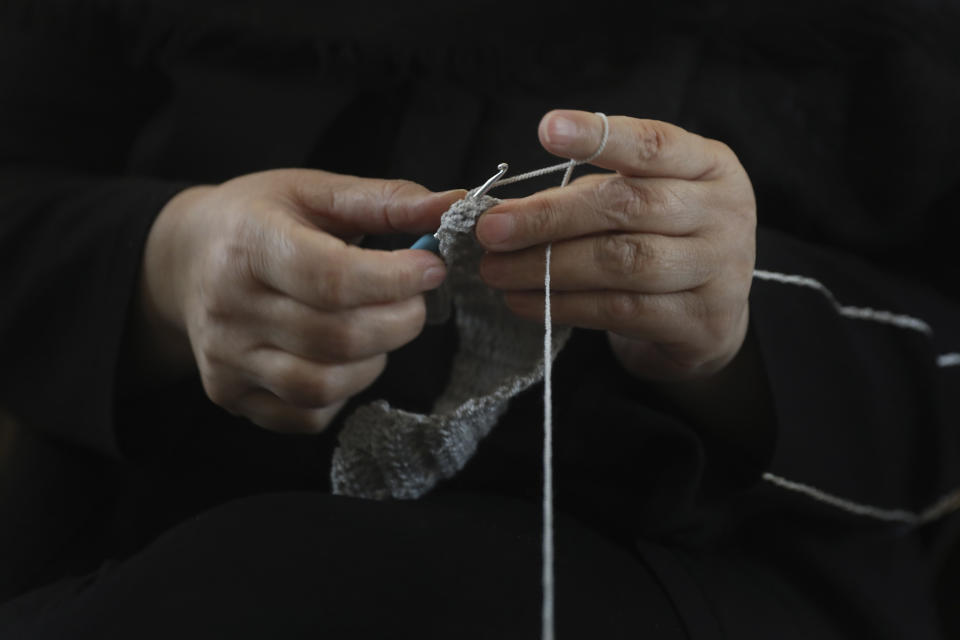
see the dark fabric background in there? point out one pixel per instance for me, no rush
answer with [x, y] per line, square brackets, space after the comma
[844, 115]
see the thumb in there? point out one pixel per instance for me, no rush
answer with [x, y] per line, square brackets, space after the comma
[348, 205]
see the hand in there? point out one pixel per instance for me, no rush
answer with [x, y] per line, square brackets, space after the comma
[253, 283]
[659, 254]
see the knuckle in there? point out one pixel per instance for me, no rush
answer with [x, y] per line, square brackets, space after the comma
[216, 298]
[677, 201]
[324, 389]
[620, 308]
[650, 139]
[360, 377]
[397, 188]
[614, 200]
[208, 351]
[724, 153]
[624, 200]
[346, 340]
[621, 255]
[379, 363]
[238, 252]
[641, 197]
[544, 220]
[217, 389]
[230, 266]
[333, 286]
[299, 388]
[726, 162]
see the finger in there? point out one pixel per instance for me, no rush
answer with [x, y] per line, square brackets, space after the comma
[311, 385]
[325, 273]
[351, 205]
[341, 336]
[635, 147]
[641, 263]
[617, 203]
[270, 412]
[670, 318]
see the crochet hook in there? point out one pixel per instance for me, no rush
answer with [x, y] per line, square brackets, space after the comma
[429, 241]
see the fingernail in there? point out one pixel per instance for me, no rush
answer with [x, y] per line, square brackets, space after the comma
[495, 228]
[433, 276]
[562, 131]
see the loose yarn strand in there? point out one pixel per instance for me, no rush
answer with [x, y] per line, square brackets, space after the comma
[563, 166]
[547, 612]
[532, 174]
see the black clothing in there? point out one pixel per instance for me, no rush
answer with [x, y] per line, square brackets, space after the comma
[845, 122]
[374, 571]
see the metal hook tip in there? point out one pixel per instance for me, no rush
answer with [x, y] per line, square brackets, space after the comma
[486, 186]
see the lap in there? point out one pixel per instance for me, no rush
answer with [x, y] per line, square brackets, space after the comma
[306, 564]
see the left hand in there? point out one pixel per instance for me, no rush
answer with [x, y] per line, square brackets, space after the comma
[659, 254]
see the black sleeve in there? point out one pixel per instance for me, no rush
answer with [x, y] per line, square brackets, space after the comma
[864, 372]
[73, 224]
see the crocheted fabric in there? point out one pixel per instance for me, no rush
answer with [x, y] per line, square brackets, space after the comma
[387, 452]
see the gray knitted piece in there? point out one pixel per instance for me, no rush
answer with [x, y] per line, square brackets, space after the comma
[388, 452]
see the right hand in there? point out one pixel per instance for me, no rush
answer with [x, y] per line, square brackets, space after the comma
[254, 282]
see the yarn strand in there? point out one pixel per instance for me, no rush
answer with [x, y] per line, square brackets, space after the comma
[547, 612]
[563, 166]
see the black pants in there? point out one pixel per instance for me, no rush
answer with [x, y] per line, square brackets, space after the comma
[316, 566]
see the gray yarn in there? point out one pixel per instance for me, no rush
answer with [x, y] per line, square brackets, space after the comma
[388, 452]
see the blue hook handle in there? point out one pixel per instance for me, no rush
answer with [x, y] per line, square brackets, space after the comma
[428, 242]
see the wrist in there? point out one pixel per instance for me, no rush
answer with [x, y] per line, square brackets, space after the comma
[733, 405]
